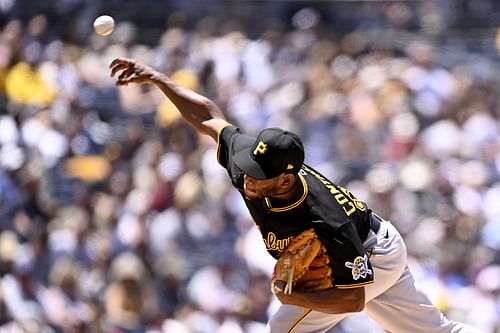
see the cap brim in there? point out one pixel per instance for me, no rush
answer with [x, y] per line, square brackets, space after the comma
[248, 165]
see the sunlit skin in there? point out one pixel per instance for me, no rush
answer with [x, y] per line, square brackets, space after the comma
[284, 187]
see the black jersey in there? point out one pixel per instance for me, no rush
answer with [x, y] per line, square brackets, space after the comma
[338, 218]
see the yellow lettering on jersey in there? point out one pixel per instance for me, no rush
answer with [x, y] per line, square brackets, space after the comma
[350, 211]
[260, 149]
[273, 243]
[343, 197]
[359, 204]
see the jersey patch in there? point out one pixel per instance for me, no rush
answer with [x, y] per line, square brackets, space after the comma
[359, 267]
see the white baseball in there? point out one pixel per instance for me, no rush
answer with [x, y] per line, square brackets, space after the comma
[104, 25]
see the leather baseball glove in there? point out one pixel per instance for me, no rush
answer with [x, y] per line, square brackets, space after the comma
[303, 264]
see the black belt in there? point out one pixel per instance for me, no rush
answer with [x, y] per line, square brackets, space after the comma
[375, 221]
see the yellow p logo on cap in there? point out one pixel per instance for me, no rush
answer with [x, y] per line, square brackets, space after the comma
[260, 149]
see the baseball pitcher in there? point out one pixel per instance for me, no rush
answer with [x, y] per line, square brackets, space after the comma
[334, 256]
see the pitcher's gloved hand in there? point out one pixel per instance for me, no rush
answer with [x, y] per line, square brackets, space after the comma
[303, 265]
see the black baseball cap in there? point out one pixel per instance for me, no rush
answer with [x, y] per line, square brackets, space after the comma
[274, 151]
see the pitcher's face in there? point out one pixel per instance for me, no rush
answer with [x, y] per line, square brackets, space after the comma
[258, 189]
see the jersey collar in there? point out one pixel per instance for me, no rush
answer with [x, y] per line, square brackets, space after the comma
[293, 205]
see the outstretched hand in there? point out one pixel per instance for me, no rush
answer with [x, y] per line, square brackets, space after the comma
[131, 71]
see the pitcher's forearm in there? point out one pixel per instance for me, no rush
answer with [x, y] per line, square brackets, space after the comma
[333, 301]
[199, 111]
[195, 108]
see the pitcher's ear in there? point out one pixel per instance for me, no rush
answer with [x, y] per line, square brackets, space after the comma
[288, 179]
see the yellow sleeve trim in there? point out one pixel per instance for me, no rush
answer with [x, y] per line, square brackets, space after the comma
[218, 141]
[351, 286]
[292, 206]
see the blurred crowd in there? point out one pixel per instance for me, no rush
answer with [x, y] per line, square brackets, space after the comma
[115, 216]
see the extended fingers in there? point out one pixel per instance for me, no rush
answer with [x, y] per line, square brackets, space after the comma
[121, 61]
[120, 64]
[126, 76]
[129, 71]
[118, 67]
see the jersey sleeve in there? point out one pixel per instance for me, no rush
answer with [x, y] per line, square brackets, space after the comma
[231, 141]
[349, 260]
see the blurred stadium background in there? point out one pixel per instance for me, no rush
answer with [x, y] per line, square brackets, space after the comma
[115, 217]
